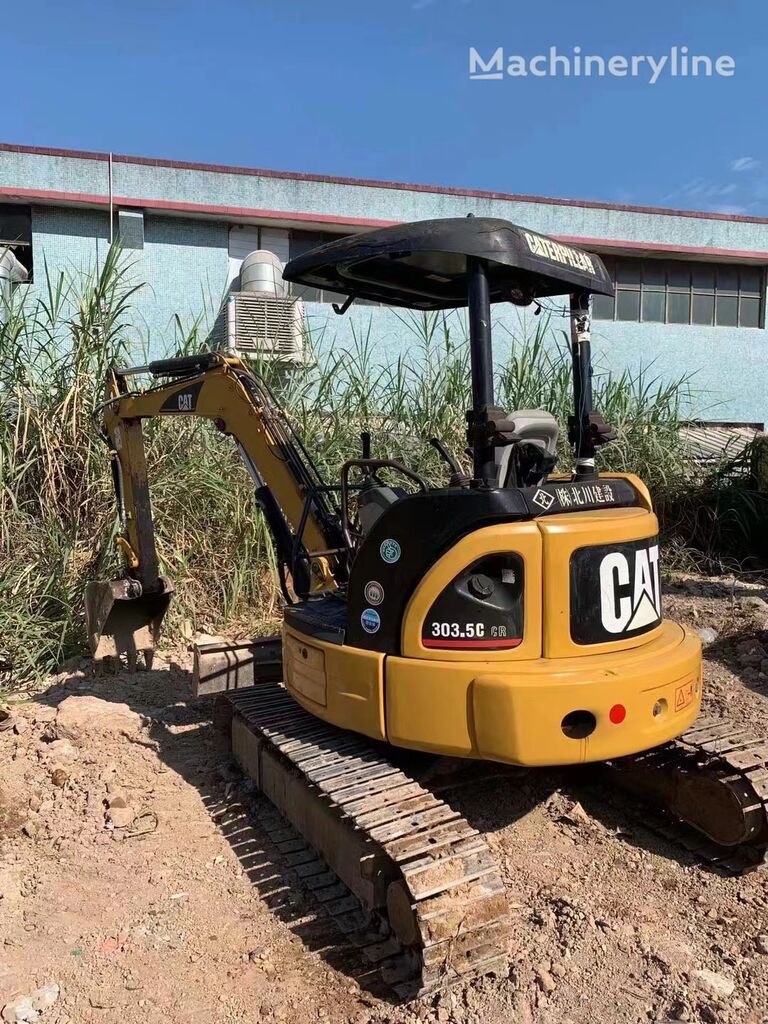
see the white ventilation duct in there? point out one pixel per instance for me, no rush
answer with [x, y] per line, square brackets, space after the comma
[261, 272]
[11, 272]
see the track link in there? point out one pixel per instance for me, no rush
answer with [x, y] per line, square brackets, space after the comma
[729, 764]
[404, 853]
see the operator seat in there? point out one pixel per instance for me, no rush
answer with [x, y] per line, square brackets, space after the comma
[536, 432]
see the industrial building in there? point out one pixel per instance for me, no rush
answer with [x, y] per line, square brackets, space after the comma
[690, 286]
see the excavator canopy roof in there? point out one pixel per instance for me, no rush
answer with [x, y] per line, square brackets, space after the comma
[424, 264]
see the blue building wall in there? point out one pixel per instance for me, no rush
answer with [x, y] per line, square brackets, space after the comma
[182, 268]
[185, 260]
[65, 240]
[728, 368]
[185, 265]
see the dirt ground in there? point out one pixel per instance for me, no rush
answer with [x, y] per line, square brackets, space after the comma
[134, 887]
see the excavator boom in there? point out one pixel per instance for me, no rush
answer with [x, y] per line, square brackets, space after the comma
[124, 616]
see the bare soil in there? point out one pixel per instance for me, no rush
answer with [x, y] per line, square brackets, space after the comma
[131, 877]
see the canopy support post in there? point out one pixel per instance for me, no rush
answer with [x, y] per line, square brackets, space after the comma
[480, 433]
[581, 355]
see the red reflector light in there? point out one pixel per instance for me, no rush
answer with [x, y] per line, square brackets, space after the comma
[617, 714]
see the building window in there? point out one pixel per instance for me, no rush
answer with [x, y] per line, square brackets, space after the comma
[683, 292]
[130, 229]
[16, 232]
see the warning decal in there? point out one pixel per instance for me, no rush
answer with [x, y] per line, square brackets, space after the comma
[683, 696]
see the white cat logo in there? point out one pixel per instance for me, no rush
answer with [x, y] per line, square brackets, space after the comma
[630, 595]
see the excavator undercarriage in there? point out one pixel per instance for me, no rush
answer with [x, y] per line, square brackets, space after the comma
[510, 618]
[706, 791]
[392, 849]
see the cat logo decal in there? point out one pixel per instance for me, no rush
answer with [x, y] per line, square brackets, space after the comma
[630, 590]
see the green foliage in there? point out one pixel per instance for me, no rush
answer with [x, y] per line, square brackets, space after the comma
[722, 512]
[57, 515]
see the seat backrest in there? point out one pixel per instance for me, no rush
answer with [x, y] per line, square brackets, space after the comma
[532, 426]
[373, 502]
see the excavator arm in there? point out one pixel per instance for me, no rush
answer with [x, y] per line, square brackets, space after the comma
[124, 616]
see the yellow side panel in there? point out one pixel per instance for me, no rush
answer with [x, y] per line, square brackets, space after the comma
[429, 706]
[562, 536]
[521, 538]
[341, 685]
[304, 665]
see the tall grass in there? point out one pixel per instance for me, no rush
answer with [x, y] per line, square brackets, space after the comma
[57, 514]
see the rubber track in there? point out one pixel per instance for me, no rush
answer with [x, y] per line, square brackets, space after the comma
[451, 875]
[739, 757]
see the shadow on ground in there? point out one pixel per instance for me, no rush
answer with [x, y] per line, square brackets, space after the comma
[715, 588]
[190, 744]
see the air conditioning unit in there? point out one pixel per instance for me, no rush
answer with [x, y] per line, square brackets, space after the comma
[265, 325]
[262, 318]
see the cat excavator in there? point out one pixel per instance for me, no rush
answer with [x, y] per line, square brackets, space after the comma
[511, 616]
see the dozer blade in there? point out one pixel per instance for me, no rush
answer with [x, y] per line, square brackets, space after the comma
[224, 665]
[121, 620]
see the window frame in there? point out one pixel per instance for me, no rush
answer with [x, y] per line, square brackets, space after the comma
[744, 293]
[22, 248]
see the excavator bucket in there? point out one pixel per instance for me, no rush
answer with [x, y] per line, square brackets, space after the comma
[121, 620]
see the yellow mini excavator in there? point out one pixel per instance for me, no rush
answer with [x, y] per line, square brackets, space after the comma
[513, 615]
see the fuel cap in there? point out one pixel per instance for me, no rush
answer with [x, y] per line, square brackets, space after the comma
[480, 586]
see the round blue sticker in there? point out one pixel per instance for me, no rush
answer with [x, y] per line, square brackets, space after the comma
[371, 620]
[390, 550]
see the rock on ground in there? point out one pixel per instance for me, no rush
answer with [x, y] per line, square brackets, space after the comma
[712, 983]
[79, 719]
[30, 1008]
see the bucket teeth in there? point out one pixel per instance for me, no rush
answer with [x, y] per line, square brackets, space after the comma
[122, 622]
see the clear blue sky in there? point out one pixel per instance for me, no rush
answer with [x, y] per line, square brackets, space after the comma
[381, 90]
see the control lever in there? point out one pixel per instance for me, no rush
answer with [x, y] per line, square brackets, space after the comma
[458, 477]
